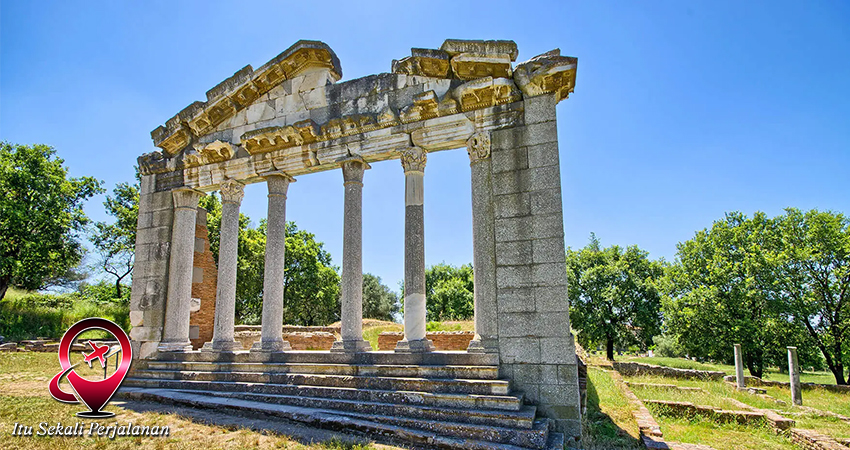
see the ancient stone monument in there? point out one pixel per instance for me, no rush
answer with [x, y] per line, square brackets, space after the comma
[516, 385]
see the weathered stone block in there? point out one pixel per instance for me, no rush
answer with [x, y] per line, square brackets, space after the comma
[557, 350]
[528, 373]
[543, 155]
[511, 182]
[567, 374]
[516, 300]
[512, 205]
[546, 201]
[548, 374]
[515, 158]
[513, 276]
[153, 235]
[549, 250]
[540, 133]
[548, 274]
[514, 253]
[540, 108]
[517, 229]
[546, 177]
[520, 350]
[197, 275]
[551, 298]
[546, 226]
[559, 394]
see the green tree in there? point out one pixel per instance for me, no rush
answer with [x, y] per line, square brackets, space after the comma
[613, 296]
[723, 290]
[813, 280]
[41, 216]
[379, 302]
[116, 242]
[449, 292]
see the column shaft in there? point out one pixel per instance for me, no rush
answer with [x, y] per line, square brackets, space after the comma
[178, 303]
[413, 161]
[739, 367]
[484, 246]
[352, 260]
[794, 373]
[225, 302]
[271, 339]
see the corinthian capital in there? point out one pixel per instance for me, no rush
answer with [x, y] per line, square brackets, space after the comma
[413, 159]
[232, 191]
[478, 147]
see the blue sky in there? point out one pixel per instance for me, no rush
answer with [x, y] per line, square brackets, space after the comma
[682, 110]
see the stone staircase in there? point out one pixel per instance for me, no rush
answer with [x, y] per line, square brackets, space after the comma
[440, 399]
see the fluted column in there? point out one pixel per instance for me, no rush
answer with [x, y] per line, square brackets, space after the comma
[271, 339]
[486, 338]
[175, 335]
[413, 161]
[232, 192]
[352, 260]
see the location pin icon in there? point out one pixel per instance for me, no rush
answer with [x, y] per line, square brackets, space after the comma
[94, 394]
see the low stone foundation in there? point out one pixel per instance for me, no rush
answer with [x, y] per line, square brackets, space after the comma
[298, 340]
[634, 368]
[292, 329]
[756, 381]
[443, 340]
[811, 440]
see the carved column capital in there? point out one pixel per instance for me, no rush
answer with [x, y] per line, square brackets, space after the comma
[413, 159]
[232, 191]
[352, 170]
[186, 197]
[278, 183]
[478, 147]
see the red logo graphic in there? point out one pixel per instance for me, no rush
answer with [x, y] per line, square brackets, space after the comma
[94, 394]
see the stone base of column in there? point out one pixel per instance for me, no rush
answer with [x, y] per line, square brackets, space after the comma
[418, 346]
[270, 346]
[352, 346]
[483, 345]
[222, 346]
[174, 347]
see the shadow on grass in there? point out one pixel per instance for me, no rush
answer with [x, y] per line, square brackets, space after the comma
[600, 430]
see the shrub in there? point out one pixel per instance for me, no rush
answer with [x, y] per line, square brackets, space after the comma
[42, 315]
[668, 345]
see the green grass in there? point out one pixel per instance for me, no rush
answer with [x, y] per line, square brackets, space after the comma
[609, 422]
[727, 436]
[371, 332]
[21, 319]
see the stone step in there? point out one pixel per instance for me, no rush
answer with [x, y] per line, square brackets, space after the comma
[422, 432]
[447, 358]
[445, 400]
[523, 419]
[381, 370]
[444, 385]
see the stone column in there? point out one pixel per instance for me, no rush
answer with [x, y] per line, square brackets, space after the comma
[413, 161]
[794, 373]
[232, 193]
[739, 367]
[484, 246]
[179, 300]
[352, 260]
[271, 339]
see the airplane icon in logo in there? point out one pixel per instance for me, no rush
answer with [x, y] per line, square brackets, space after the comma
[99, 353]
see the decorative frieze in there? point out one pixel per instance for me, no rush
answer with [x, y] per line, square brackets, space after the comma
[423, 62]
[458, 46]
[425, 106]
[153, 162]
[203, 154]
[486, 92]
[547, 73]
[472, 66]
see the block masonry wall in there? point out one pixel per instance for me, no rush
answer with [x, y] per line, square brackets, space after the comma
[204, 285]
[442, 340]
[536, 348]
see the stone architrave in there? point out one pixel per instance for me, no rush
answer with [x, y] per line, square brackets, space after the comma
[232, 193]
[413, 162]
[271, 339]
[739, 368]
[483, 246]
[176, 330]
[794, 374]
[352, 260]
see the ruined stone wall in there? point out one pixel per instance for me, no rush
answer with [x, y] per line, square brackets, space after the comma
[204, 285]
[633, 368]
[536, 348]
[317, 340]
[442, 340]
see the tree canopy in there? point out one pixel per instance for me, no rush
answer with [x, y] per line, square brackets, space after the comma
[379, 302]
[41, 216]
[613, 297]
[449, 292]
[115, 242]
